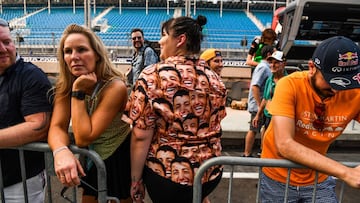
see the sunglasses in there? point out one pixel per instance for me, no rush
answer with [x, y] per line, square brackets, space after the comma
[138, 37]
[63, 191]
[319, 122]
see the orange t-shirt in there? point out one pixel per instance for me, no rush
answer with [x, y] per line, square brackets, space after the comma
[295, 98]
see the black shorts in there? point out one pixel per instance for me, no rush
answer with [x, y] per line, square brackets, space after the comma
[163, 190]
[117, 171]
[260, 124]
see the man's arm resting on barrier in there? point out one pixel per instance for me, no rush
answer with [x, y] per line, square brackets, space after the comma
[34, 128]
[284, 132]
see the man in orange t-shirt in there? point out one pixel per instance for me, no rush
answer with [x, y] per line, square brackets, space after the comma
[310, 110]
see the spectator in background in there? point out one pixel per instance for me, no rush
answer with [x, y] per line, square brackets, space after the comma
[143, 55]
[310, 109]
[213, 59]
[260, 75]
[268, 37]
[180, 43]
[24, 117]
[92, 94]
[277, 66]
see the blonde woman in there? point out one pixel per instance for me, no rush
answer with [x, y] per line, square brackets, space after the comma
[93, 95]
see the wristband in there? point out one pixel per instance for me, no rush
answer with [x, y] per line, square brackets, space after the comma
[80, 95]
[59, 150]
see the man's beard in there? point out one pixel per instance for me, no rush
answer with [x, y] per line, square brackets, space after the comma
[323, 93]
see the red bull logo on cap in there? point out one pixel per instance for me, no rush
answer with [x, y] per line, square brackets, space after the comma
[348, 59]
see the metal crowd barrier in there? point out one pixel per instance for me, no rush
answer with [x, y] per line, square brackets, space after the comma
[242, 161]
[49, 170]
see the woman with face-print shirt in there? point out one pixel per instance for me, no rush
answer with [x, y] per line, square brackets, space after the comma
[178, 73]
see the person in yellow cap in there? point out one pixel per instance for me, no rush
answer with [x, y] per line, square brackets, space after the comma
[213, 59]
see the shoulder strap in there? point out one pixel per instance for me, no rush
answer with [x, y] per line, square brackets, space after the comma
[143, 55]
[100, 85]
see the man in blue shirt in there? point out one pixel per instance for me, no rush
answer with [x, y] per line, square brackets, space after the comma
[259, 77]
[143, 55]
[24, 117]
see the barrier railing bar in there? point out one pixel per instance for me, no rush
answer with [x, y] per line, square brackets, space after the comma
[286, 195]
[23, 174]
[341, 195]
[101, 171]
[315, 186]
[47, 173]
[258, 186]
[44, 147]
[229, 160]
[230, 184]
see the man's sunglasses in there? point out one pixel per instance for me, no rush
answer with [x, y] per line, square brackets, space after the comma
[138, 37]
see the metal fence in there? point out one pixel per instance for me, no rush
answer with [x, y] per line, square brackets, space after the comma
[49, 170]
[242, 161]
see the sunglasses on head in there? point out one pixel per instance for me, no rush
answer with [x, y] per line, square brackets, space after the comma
[319, 122]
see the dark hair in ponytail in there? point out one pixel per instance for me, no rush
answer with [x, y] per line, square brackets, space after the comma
[188, 26]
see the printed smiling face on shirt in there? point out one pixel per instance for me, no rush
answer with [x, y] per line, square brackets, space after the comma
[198, 102]
[182, 104]
[139, 102]
[181, 172]
[166, 157]
[191, 124]
[170, 81]
[202, 82]
[188, 75]
[191, 152]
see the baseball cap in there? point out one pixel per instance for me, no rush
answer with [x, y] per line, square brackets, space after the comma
[277, 55]
[338, 60]
[208, 54]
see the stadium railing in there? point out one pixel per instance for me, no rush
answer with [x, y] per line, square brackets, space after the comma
[242, 161]
[49, 170]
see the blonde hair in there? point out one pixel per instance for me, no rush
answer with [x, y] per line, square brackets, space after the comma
[104, 68]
